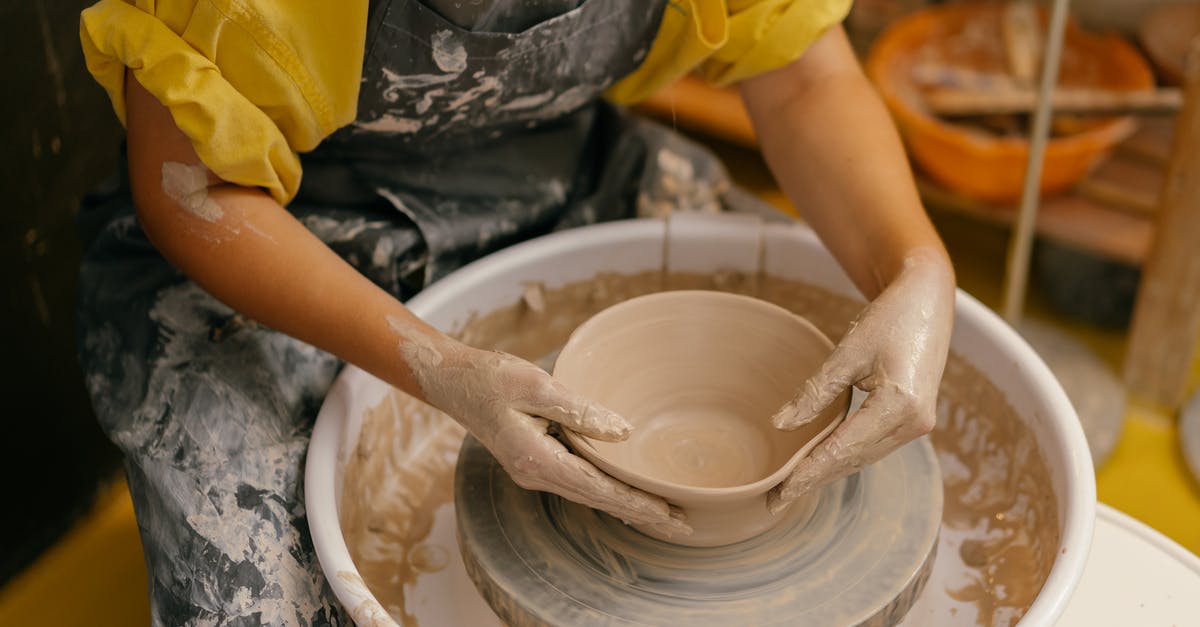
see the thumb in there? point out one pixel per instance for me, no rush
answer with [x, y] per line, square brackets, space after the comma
[553, 401]
[822, 388]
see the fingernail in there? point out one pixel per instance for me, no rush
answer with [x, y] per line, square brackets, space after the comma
[791, 415]
[680, 526]
[621, 427]
[775, 504]
[671, 530]
[794, 491]
[608, 421]
[784, 495]
[678, 520]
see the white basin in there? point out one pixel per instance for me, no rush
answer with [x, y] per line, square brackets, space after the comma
[701, 244]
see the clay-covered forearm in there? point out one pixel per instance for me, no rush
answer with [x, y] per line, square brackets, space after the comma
[834, 150]
[253, 255]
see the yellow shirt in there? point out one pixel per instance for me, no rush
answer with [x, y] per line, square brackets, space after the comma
[253, 83]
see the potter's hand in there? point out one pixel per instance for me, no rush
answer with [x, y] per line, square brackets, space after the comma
[508, 404]
[895, 351]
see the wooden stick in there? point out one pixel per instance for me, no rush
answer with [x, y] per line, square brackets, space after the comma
[1117, 197]
[959, 102]
[1016, 277]
[1022, 40]
[1166, 318]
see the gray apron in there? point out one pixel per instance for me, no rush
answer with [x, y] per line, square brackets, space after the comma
[466, 142]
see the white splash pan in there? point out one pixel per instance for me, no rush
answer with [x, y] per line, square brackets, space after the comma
[696, 243]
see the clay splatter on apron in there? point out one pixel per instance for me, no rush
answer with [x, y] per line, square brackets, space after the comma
[466, 142]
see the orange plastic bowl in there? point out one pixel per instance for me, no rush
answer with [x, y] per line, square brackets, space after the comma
[979, 164]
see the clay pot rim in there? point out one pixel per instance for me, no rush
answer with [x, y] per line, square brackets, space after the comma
[583, 444]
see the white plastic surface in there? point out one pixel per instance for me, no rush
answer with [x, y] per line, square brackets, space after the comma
[706, 242]
[1134, 576]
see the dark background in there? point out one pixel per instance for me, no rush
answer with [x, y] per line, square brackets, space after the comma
[59, 139]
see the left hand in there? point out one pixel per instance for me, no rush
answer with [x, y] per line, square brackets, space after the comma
[508, 403]
[895, 351]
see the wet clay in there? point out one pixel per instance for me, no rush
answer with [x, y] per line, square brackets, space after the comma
[858, 556]
[1005, 518]
[999, 509]
[1000, 516]
[895, 352]
[696, 407]
[700, 438]
[510, 404]
[188, 186]
[701, 445]
[400, 473]
[1000, 523]
[402, 468]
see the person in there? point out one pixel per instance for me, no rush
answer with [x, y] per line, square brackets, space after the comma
[220, 294]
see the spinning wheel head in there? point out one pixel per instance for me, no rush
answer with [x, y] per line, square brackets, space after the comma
[858, 554]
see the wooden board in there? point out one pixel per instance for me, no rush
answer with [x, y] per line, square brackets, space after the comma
[1166, 318]
[1113, 234]
[1126, 184]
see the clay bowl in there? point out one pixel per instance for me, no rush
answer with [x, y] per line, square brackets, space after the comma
[699, 374]
[977, 163]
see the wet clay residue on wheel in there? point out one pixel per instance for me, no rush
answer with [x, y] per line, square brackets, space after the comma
[1000, 520]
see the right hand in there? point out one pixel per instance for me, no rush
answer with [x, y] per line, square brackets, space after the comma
[508, 403]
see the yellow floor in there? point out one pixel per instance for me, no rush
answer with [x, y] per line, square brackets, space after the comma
[95, 575]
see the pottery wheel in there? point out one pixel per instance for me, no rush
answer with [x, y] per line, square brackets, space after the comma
[860, 558]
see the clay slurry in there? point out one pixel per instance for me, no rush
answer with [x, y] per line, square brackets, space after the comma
[998, 495]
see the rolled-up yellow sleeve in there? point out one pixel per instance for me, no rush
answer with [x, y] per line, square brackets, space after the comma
[768, 34]
[727, 41]
[251, 85]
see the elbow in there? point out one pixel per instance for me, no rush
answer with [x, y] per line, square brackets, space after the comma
[173, 205]
[150, 204]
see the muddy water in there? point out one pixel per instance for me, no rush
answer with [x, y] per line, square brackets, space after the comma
[1000, 526]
